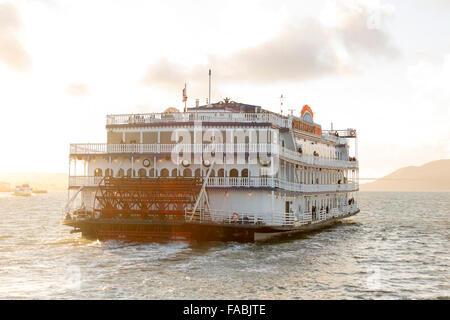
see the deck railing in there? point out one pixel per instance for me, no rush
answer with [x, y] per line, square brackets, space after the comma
[266, 218]
[241, 182]
[150, 118]
[253, 148]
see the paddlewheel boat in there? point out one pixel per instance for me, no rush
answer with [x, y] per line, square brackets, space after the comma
[225, 171]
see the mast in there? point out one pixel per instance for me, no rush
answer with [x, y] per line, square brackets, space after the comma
[281, 103]
[209, 96]
[184, 97]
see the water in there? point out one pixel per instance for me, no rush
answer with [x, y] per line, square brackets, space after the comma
[396, 248]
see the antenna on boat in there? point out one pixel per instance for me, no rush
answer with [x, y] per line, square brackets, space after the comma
[209, 96]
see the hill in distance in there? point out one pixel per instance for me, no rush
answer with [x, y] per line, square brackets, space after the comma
[432, 176]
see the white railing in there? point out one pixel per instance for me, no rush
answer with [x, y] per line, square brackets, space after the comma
[148, 118]
[84, 181]
[103, 148]
[305, 218]
[100, 148]
[329, 187]
[266, 218]
[318, 161]
[242, 182]
[218, 216]
[88, 148]
[229, 217]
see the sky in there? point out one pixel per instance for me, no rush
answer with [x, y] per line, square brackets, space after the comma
[382, 67]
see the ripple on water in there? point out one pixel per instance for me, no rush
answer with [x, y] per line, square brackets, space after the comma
[395, 248]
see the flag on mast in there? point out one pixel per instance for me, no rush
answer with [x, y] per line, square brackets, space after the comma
[184, 93]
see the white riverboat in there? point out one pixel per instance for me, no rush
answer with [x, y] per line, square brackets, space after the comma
[222, 171]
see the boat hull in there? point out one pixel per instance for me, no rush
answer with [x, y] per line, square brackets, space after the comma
[165, 231]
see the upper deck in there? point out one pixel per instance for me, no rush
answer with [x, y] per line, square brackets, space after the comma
[230, 113]
[193, 116]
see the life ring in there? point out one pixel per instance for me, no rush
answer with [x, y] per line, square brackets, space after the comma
[235, 216]
[146, 163]
[206, 163]
[353, 132]
[185, 163]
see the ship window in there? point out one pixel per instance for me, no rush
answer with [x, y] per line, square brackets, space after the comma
[164, 173]
[307, 117]
[120, 173]
[187, 173]
[152, 172]
[142, 172]
[198, 172]
[98, 172]
[244, 173]
[131, 173]
[109, 172]
[221, 173]
[234, 173]
[174, 173]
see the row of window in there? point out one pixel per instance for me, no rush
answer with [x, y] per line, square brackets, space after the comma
[165, 173]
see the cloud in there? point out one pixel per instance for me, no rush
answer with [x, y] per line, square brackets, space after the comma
[360, 28]
[164, 73]
[301, 51]
[434, 4]
[12, 53]
[77, 90]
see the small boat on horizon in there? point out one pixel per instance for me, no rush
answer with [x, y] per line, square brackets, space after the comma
[24, 190]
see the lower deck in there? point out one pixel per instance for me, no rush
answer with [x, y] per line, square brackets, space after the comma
[184, 208]
[163, 230]
[270, 207]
